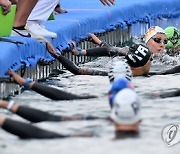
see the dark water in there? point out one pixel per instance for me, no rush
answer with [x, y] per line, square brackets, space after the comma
[156, 114]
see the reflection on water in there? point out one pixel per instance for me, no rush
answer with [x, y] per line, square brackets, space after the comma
[156, 114]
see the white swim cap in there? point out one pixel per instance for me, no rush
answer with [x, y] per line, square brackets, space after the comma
[119, 69]
[153, 31]
[126, 107]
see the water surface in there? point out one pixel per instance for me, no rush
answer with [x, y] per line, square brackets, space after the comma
[156, 114]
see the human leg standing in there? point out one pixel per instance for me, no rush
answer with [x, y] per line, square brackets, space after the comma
[24, 8]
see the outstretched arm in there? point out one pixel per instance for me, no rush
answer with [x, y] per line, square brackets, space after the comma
[28, 131]
[69, 65]
[35, 115]
[170, 94]
[173, 70]
[31, 114]
[47, 91]
[104, 49]
[166, 94]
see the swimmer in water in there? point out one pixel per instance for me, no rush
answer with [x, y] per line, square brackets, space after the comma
[45, 90]
[125, 115]
[138, 56]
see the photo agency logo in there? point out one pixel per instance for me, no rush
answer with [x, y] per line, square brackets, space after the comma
[171, 134]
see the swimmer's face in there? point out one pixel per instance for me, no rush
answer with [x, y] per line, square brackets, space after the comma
[157, 43]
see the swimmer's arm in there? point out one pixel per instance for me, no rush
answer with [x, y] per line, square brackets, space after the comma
[28, 113]
[170, 94]
[57, 94]
[107, 51]
[166, 94]
[69, 65]
[27, 131]
[36, 115]
[173, 70]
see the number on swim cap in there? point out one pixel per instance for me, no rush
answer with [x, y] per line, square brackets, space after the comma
[138, 55]
[141, 52]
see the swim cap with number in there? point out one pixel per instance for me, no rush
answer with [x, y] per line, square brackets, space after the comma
[138, 55]
[126, 107]
[117, 86]
[119, 69]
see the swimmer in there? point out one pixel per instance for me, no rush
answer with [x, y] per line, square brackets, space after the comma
[173, 70]
[125, 108]
[138, 57]
[35, 115]
[173, 93]
[27, 131]
[155, 40]
[125, 115]
[47, 91]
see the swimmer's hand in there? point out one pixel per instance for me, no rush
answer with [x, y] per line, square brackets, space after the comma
[153, 94]
[50, 48]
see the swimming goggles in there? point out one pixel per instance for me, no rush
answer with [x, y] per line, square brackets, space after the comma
[159, 40]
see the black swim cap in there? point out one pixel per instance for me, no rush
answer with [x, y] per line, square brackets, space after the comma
[138, 55]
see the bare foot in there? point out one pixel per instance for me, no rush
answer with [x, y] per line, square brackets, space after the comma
[95, 39]
[17, 77]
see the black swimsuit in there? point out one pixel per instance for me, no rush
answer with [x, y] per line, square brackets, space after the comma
[27, 131]
[170, 94]
[56, 94]
[173, 70]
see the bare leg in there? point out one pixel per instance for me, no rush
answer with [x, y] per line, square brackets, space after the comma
[24, 8]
